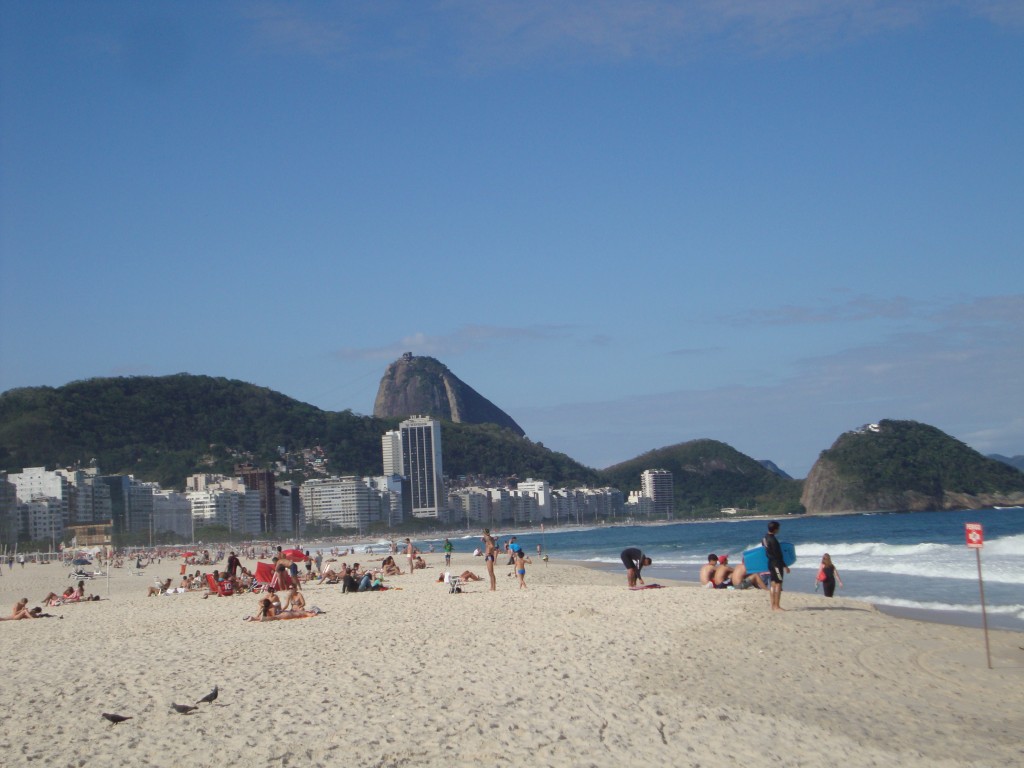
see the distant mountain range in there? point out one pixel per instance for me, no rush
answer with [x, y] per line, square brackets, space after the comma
[166, 428]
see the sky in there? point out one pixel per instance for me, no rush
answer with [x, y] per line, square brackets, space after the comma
[628, 225]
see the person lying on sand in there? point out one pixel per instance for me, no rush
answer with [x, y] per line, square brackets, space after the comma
[67, 596]
[160, 589]
[740, 579]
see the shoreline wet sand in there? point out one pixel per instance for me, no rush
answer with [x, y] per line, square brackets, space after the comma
[575, 670]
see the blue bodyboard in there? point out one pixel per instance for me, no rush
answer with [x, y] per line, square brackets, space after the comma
[756, 559]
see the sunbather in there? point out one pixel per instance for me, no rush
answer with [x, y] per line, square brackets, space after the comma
[20, 611]
[67, 596]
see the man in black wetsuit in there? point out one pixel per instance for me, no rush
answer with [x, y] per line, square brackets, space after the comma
[634, 560]
[776, 565]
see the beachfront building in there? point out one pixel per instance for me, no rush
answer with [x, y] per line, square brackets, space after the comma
[343, 502]
[421, 462]
[263, 482]
[391, 451]
[657, 486]
[287, 507]
[89, 501]
[582, 505]
[172, 513]
[43, 499]
[540, 491]
[471, 507]
[395, 505]
[9, 524]
[224, 501]
[639, 506]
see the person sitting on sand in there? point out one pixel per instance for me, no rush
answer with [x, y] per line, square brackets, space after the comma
[269, 606]
[740, 579]
[20, 611]
[348, 581]
[720, 580]
[329, 575]
[159, 590]
[293, 601]
[707, 571]
[390, 567]
[419, 562]
[470, 576]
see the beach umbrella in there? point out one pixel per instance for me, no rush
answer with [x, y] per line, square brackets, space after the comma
[187, 554]
[80, 561]
[294, 554]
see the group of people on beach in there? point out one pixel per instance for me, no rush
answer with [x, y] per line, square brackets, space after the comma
[717, 573]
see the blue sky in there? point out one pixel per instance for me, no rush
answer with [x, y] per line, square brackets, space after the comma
[626, 224]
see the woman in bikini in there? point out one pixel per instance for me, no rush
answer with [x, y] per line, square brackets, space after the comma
[490, 552]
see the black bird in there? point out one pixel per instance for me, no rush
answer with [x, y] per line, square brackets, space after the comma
[208, 697]
[115, 719]
[183, 709]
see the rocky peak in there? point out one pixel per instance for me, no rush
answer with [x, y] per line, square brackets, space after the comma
[422, 385]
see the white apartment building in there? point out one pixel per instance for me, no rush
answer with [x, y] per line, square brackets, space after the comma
[391, 449]
[470, 507]
[345, 502]
[657, 486]
[638, 505]
[43, 501]
[541, 492]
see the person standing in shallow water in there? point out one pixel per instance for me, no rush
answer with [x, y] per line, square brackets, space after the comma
[490, 552]
[776, 565]
[828, 584]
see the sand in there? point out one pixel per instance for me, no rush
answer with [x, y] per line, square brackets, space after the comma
[575, 671]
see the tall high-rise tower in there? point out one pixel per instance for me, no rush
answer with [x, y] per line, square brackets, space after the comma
[657, 486]
[421, 463]
[391, 448]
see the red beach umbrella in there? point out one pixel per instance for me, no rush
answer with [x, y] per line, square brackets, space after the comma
[187, 554]
[294, 554]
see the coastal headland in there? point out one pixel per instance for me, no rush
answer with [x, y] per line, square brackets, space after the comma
[575, 670]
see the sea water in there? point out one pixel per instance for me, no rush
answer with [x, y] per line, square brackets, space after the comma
[915, 562]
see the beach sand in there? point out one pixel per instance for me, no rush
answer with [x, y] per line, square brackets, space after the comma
[575, 671]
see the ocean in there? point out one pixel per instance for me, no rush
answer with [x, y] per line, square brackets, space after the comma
[916, 563]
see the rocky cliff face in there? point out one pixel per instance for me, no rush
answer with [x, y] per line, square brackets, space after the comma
[906, 466]
[423, 386]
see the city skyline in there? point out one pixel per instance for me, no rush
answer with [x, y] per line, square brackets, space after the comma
[627, 226]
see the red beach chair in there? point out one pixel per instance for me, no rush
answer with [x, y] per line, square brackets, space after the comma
[221, 588]
[263, 578]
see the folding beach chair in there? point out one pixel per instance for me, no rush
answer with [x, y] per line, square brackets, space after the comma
[263, 577]
[219, 588]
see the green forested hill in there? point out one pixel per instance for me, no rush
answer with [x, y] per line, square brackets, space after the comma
[906, 465]
[166, 428]
[709, 475]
